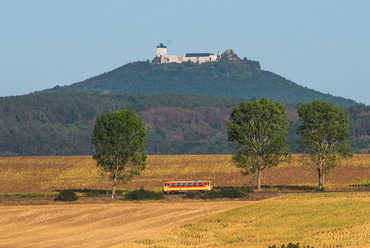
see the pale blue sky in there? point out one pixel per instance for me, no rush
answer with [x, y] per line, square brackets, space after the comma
[323, 45]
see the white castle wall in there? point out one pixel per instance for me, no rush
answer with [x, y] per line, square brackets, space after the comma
[165, 58]
[161, 52]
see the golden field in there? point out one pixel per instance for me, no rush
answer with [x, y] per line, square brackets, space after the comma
[49, 174]
[318, 220]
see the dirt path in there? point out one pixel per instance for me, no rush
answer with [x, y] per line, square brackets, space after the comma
[100, 224]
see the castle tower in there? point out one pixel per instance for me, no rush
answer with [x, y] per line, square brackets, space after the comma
[161, 50]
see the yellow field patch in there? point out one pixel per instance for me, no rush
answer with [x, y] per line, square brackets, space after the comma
[48, 174]
[319, 220]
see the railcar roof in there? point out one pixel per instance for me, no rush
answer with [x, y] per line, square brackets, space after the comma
[187, 181]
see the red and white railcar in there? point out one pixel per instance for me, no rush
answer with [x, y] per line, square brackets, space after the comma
[186, 186]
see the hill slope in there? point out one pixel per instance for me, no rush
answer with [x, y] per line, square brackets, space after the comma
[192, 121]
[230, 77]
[62, 124]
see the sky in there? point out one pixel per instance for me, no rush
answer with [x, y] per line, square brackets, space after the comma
[322, 45]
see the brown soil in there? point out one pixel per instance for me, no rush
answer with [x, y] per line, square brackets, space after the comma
[85, 224]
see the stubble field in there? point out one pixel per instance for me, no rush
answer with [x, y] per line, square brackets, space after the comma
[84, 224]
[320, 219]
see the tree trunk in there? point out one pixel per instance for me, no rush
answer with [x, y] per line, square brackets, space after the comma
[320, 177]
[323, 179]
[113, 191]
[259, 180]
[114, 186]
[115, 180]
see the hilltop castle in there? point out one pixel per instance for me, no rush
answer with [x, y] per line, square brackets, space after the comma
[164, 58]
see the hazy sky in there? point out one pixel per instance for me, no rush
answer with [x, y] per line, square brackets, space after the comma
[323, 45]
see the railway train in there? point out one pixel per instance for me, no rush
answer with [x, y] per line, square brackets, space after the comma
[186, 186]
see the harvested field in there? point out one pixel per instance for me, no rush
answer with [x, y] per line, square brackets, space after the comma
[320, 220]
[98, 225]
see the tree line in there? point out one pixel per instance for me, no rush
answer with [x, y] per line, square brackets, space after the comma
[62, 124]
[259, 128]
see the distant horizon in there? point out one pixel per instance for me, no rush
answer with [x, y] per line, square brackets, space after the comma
[323, 46]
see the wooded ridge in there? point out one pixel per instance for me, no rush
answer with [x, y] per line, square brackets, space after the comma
[61, 124]
[184, 107]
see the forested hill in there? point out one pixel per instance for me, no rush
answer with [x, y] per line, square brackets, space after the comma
[230, 77]
[184, 107]
[62, 124]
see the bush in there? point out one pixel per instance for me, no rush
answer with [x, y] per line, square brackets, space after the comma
[322, 189]
[230, 193]
[248, 188]
[290, 245]
[142, 194]
[67, 195]
[193, 195]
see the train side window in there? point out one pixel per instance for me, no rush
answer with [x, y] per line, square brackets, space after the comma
[184, 184]
[178, 185]
[189, 184]
[200, 184]
[173, 185]
[194, 184]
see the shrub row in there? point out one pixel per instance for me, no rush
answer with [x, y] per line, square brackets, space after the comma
[142, 194]
[230, 193]
[67, 195]
[290, 245]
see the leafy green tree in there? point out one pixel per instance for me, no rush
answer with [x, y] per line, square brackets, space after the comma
[260, 130]
[324, 135]
[119, 139]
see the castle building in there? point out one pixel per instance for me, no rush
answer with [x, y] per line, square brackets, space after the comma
[192, 57]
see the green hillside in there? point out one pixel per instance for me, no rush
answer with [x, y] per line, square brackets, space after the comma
[62, 124]
[230, 77]
[184, 106]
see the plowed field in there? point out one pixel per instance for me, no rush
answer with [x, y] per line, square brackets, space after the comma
[99, 224]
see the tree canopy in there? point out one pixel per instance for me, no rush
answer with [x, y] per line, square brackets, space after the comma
[119, 139]
[260, 130]
[61, 124]
[324, 135]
